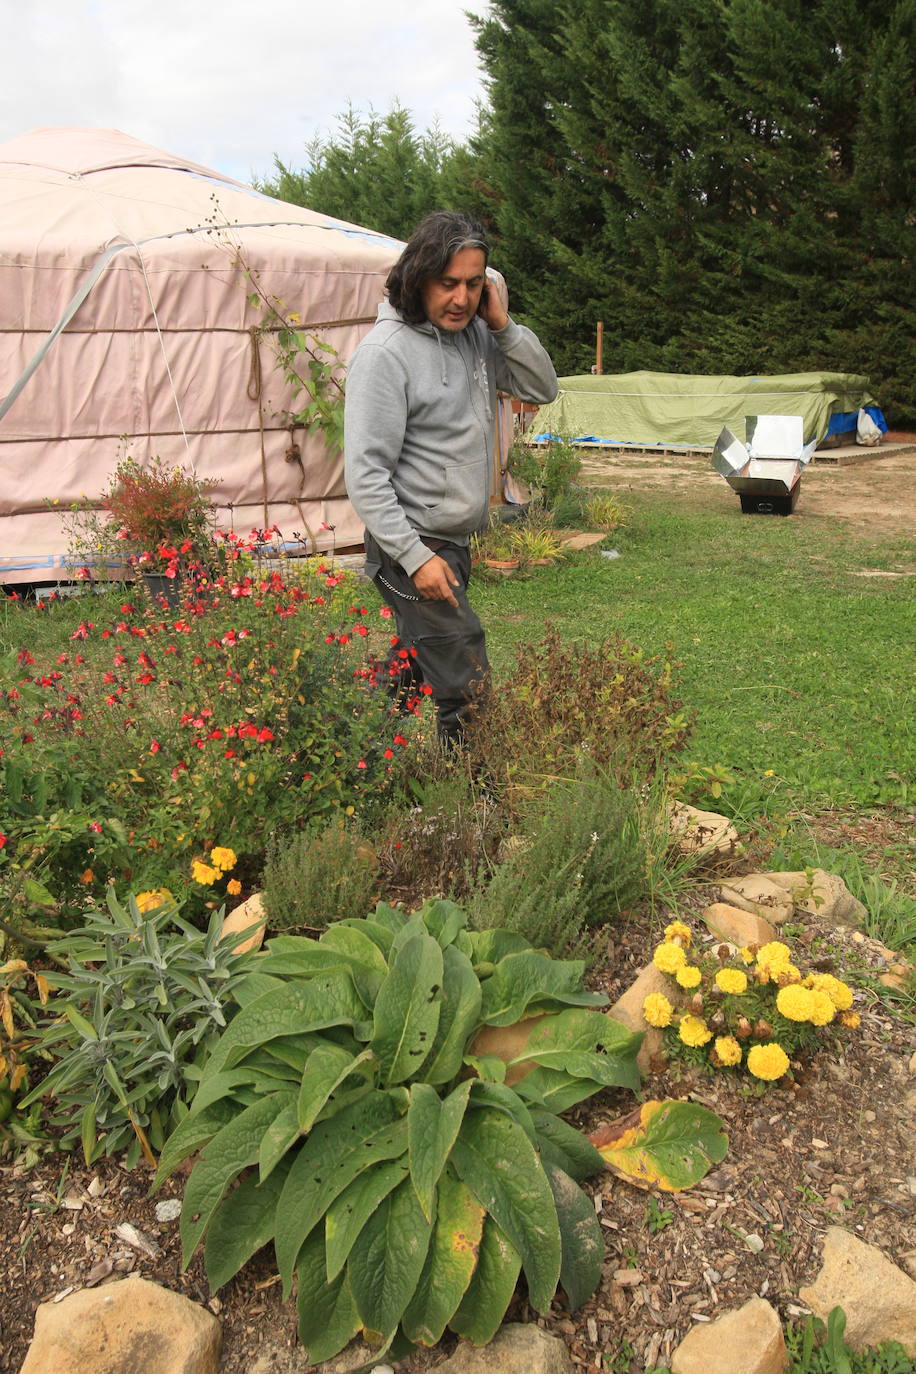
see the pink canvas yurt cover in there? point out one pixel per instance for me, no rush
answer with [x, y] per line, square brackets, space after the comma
[127, 329]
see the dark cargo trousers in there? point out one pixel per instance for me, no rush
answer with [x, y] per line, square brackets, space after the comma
[451, 652]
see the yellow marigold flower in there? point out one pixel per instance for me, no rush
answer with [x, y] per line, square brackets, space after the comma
[786, 974]
[746, 954]
[678, 931]
[839, 993]
[87, 876]
[202, 873]
[223, 858]
[689, 976]
[728, 1050]
[795, 1003]
[657, 1010]
[233, 887]
[731, 980]
[148, 901]
[850, 1019]
[669, 958]
[773, 955]
[767, 1061]
[822, 1009]
[693, 1030]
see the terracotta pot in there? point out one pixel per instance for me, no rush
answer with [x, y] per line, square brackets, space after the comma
[502, 564]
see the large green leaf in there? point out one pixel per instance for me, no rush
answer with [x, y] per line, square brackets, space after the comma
[562, 1145]
[407, 1009]
[503, 1099]
[189, 1135]
[328, 1319]
[432, 1125]
[367, 962]
[444, 921]
[492, 945]
[670, 1145]
[294, 1009]
[385, 1267]
[490, 1291]
[243, 1222]
[555, 1090]
[326, 1068]
[280, 1135]
[348, 1214]
[450, 1263]
[458, 1017]
[580, 1236]
[299, 956]
[230, 1151]
[380, 935]
[333, 1155]
[528, 978]
[501, 1167]
[571, 1040]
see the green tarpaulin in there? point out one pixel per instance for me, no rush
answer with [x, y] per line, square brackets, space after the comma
[663, 408]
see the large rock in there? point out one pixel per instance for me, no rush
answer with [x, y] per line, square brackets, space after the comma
[628, 1010]
[878, 1298]
[515, 1349]
[250, 916]
[129, 1327]
[749, 1339]
[757, 893]
[737, 926]
[702, 832]
[819, 893]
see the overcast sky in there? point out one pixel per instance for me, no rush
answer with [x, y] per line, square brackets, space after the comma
[229, 83]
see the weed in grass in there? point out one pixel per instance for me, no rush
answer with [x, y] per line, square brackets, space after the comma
[890, 912]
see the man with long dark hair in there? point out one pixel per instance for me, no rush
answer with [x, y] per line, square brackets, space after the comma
[420, 427]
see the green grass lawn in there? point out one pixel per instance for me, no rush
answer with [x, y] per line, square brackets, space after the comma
[799, 665]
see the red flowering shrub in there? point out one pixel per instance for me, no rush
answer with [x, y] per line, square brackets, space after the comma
[159, 733]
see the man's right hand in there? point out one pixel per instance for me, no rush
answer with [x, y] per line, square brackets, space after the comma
[434, 581]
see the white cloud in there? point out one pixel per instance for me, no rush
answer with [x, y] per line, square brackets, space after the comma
[231, 82]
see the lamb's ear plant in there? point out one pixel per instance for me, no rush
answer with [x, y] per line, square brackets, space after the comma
[406, 1171]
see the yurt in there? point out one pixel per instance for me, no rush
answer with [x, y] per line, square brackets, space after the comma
[139, 301]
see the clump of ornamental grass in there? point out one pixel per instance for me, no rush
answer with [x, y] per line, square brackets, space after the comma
[325, 873]
[571, 703]
[755, 1012]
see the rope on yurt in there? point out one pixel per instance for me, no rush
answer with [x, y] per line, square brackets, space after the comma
[255, 384]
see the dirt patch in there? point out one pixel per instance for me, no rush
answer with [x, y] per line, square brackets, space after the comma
[874, 496]
[834, 1146]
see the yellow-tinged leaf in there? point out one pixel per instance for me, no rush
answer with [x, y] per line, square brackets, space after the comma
[6, 1014]
[2, 1065]
[668, 1145]
[44, 988]
[16, 1078]
[14, 966]
[134, 775]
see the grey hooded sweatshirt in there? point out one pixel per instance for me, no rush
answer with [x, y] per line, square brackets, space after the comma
[420, 423]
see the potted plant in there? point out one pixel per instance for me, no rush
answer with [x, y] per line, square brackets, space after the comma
[494, 546]
[535, 545]
[154, 518]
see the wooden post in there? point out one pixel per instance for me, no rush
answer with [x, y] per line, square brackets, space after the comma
[599, 350]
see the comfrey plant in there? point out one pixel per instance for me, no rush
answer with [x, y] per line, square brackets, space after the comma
[407, 1170]
[755, 1011]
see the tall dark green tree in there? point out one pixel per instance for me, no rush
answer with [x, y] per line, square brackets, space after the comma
[728, 184]
[379, 172]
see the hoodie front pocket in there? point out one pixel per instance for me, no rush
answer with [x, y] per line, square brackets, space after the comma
[463, 504]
